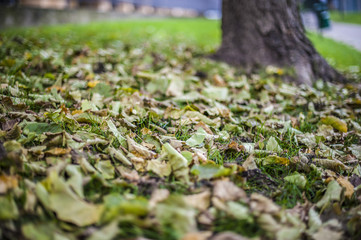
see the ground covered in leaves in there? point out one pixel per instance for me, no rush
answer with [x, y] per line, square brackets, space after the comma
[150, 139]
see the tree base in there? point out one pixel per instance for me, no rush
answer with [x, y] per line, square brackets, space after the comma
[270, 32]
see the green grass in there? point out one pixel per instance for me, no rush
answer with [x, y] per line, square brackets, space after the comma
[347, 17]
[338, 54]
[100, 34]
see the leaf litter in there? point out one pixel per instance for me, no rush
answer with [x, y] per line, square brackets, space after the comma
[124, 142]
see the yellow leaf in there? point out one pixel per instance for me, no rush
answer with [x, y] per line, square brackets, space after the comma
[76, 112]
[92, 84]
[273, 159]
[28, 55]
[335, 122]
[280, 71]
[146, 131]
[347, 185]
[58, 151]
[333, 164]
[7, 182]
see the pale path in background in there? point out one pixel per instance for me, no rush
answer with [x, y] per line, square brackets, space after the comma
[344, 32]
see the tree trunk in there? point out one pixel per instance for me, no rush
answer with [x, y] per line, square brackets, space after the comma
[270, 32]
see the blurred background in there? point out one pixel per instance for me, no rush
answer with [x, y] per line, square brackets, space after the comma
[35, 12]
[38, 12]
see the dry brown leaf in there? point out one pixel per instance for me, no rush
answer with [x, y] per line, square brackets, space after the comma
[8, 182]
[327, 234]
[250, 164]
[228, 236]
[58, 151]
[204, 126]
[347, 185]
[197, 236]
[158, 195]
[235, 146]
[201, 201]
[334, 164]
[146, 131]
[206, 218]
[161, 168]
[139, 150]
[260, 203]
[228, 191]
[126, 173]
[218, 81]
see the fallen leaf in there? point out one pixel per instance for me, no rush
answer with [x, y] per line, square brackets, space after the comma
[106, 169]
[327, 234]
[262, 204]
[175, 212]
[335, 122]
[228, 191]
[92, 84]
[347, 185]
[158, 195]
[272, 145]
[228, 236]
[67, 206]
[160, 168]
[139, 150]
[250, 163]
[197, 138]
[200, 201]
[107, 232]
[8, 209]
[218, 81]
[333, 193]
[7, 183]
[197, 236]
[356, 150]
[40, 128]
[208, 171]
[273, 159]
[297, 179]
[178, 163]
[116, 133]
[216, 93]
[333, 164]
[118, 155]
[58, 151]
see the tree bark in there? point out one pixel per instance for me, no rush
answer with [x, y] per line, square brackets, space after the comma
[270, 32]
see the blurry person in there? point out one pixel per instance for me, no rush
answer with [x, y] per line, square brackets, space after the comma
[320, 7]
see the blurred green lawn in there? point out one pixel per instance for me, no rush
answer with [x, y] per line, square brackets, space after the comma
[346, 17]
[203, 33]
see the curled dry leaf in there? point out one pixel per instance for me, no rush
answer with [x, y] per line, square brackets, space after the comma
[7, 183]
[349, 188]
[66, 204]
[161, 168]
[139, 150]
[158, 195]
[178, 163]
[58, 151]
[335, 122]
[333, 164]
[228, 191]
[263, 204]
[250, 163]
[333, 193]
[200, 201]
